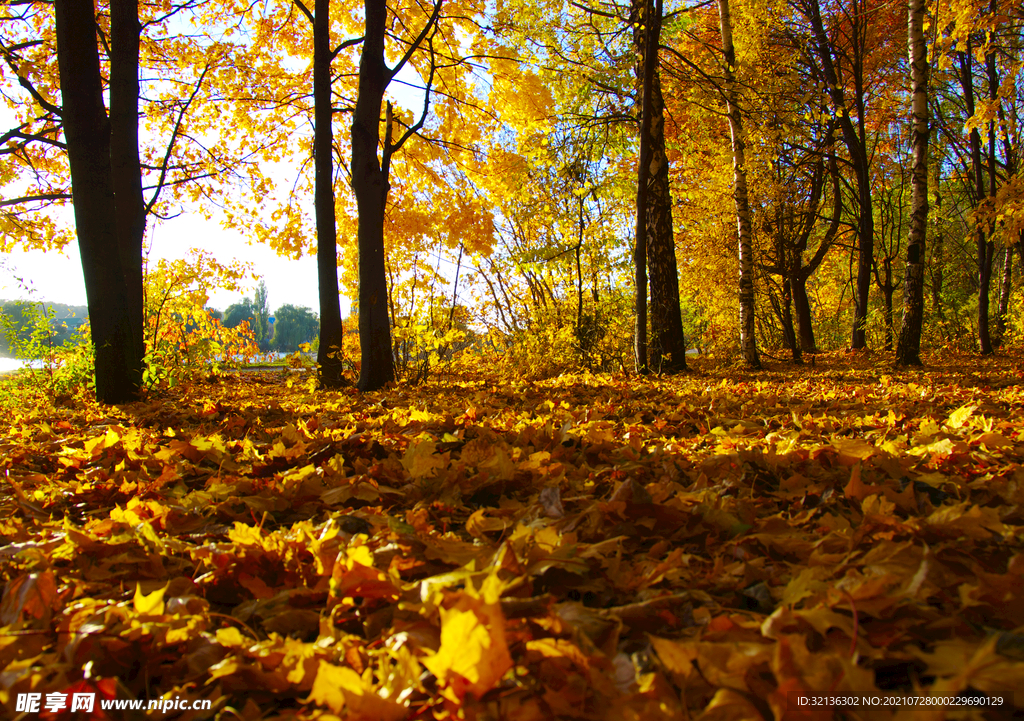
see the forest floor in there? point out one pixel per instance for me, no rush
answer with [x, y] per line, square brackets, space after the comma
[842, 541]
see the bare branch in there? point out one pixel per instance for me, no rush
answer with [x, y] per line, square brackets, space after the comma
[40, 100]
[426, 104]
[304, 9]
[346, 44]
[419, 39]
[174, 136]
[35, 198]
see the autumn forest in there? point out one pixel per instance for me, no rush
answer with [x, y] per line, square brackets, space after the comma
[682, 377]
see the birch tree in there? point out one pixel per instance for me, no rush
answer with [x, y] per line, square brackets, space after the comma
[744, 232]
[908, 347]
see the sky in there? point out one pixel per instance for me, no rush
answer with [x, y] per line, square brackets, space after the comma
[57, 276]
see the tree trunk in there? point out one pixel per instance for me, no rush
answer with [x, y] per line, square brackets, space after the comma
[1005, 289]
[788, 328]
[981, 239]
[887, 293]
[371, 188]
[329, 354]
[87, 132]
[652, 25]
[126, 168]
[993, 96]
[938, 246]
[908, 347]
[748, 342]
[802, 306]
[668, 341]
[859, 160]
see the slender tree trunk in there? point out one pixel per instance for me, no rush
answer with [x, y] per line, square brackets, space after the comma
[938, 246]
[126, 168]
[1005, 289]
[371, 189]
[859, 160]
[87, 131]
[652, 24]
[802, 306]
[579, 274]
[908, 348]
[887, 293]
[981, 237]
[748, 341]
[993, 96]
[668, 342]
[332, 333]
[788, 327]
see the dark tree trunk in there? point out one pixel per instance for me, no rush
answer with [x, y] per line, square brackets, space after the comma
[984, 253]
[126, 169]
[668, 342]
[1005, 289]
[865, 251]
[802, 306]
[652, 26]
[938, 245]
[371, 188]
[853, 137]
[887, 292]
[993, 96]
[329, 355]
[87, 132]
[788, 330]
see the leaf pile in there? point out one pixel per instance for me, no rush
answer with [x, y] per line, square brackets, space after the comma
[714, 546]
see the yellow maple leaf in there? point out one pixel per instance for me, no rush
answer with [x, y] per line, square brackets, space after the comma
[151, 605]
[339, 687]
[420, 459]
[958, 417]
[473, 655]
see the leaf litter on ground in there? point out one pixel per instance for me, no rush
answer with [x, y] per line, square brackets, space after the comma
[719, 545]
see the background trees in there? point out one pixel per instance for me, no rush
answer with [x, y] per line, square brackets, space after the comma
[254, 311]
[294, 326]
[493, 163]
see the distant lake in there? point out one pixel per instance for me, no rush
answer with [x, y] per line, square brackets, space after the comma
[12, 364]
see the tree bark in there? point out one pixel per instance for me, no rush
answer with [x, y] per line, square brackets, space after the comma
[126, 167]
[748, 342]
[856, 146]
[993, 96]
[1005, 290]
[371, 189]
[908, 347]
[789, 334]
[329, 354]
[87, 132]
[983, 245]
[887, 292]
[668, 341]
[938, 246]
[802, 306]
[652, 25]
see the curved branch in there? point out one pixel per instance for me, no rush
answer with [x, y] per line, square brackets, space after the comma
[417, 42]
[174, 137]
